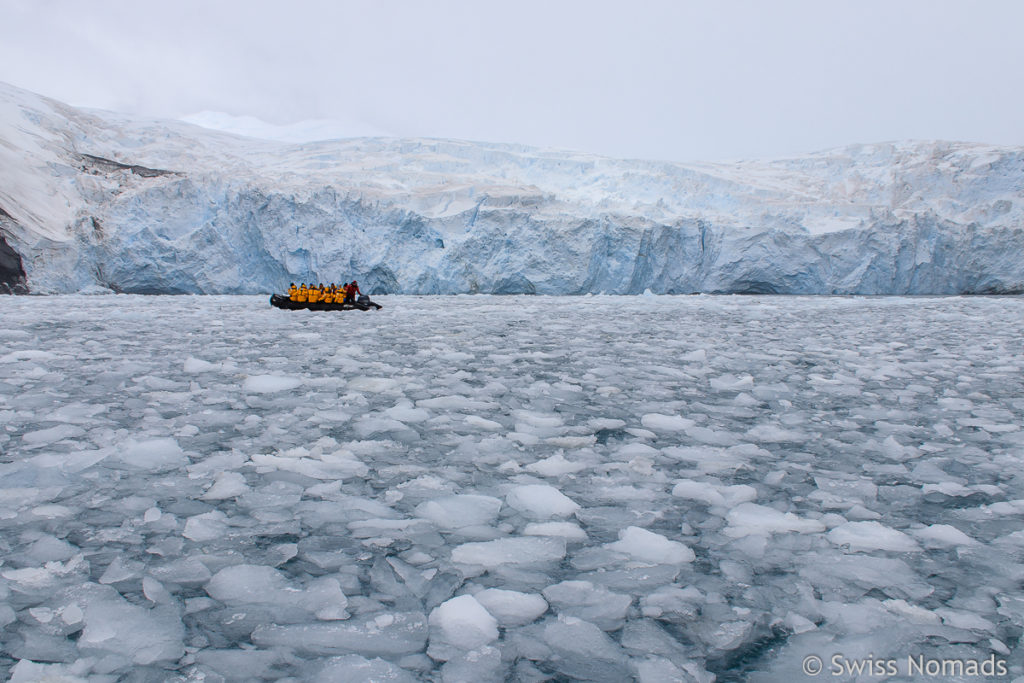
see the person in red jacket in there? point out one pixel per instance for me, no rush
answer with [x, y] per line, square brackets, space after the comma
[351, 291]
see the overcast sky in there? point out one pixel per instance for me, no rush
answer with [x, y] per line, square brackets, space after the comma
[675, 80]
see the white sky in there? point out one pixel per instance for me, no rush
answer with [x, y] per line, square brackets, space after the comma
[654, 79]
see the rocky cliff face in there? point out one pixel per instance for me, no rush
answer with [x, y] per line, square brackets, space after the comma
[92, 199]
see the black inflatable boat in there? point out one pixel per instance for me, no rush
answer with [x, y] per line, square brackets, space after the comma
[361, 304]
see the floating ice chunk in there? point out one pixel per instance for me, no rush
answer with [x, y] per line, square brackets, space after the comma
[270, 384]
[646, 546]
[239, 664]
[571, 442]
[207, 526]
[129, 635]
[655, 669]
[894, 450]
[860, 513]
[541, 501]
[367, 426]
[155, 591]
[50, 549]
[227, 485]
[666, 423]
[51, 511]
[555, 466]
[955, 404]
[847, 577]
[567, 530]
[454, 403]
[672, 603]
[749, 518]
[47, 576]
[339, 465]
[377, 635]
[152, 455]
[404, 411]
[512, 608]
[16, 498]
[943, 535]
[541, 420]
[195, 365]
[606, 423]
[698, 490]
[730, 382]
[514, 551]
[460, 623]
[373, 385]
[585, 652]
[454, 512]
[970, 621]
[356, 669]
[768, 433]
[912, 612]
[47, 436]
[121, 570]
[712, 437]
[246, 584]
[28, 671]
[481, 664]
[483, 423]
[584, 600]
[26, 354]
[872, 536]
[714, 494]
[186, 571]
[249, 584]
[695, 356]
[950, 489]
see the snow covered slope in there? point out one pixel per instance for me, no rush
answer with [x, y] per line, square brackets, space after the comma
[94, 199]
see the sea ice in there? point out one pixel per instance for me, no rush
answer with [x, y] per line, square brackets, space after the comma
[646, 546]
[454, 512]
[749, 518]
[461, 623]
[872, 536]
[541, 501]
[190, 527]
[512, 608]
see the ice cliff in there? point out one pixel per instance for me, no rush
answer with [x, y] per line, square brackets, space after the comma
[93, 199]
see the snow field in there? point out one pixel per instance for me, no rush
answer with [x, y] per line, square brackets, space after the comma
[482, 488]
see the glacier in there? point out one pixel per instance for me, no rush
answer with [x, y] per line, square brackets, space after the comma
[99, 201]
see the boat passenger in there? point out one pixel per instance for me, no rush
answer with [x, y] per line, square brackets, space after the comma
[293, 292]
[303, 293]
[351, 291]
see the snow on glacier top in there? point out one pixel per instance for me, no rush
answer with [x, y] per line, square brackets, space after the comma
[818, 193]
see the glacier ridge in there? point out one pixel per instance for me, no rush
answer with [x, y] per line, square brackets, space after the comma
[94, 200]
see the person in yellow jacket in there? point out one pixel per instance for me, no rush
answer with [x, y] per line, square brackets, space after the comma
[293, 292]
[303, 293]
[314, 294]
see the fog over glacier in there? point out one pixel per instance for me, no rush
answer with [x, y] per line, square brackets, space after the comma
[96, 200]
[480, 488]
